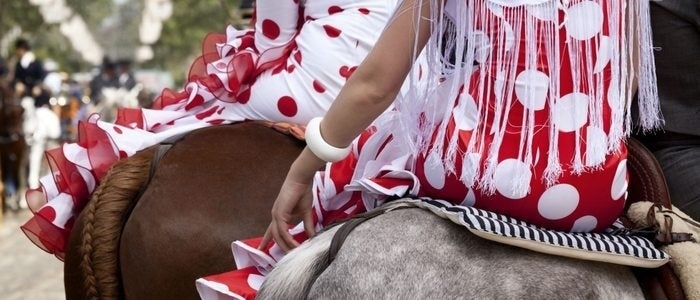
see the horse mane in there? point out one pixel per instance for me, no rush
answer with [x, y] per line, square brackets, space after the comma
[105, 216]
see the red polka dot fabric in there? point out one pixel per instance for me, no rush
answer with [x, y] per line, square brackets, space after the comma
[331, 31]
[589, 198]
[270, 29]
[287, 106]
[580, 201]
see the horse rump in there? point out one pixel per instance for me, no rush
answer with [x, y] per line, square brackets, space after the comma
[414, 254]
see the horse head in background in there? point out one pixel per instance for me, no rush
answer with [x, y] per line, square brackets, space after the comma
[12, 145]
[115, 98]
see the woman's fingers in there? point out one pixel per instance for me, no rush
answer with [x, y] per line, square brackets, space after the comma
[309, 224]
[284, 238]
[294, 200]
[277, 236]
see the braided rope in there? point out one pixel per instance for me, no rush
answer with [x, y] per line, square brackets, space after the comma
[105, 216]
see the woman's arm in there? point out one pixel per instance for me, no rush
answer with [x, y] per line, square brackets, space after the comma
[368, 93]
[377, 81]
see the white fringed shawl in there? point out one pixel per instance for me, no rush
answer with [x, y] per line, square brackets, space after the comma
[455, 30]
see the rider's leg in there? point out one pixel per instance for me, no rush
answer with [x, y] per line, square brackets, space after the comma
[681, 165]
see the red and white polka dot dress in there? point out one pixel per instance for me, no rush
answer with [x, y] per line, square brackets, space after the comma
[289, 68]
[533, 129]
[585, 199]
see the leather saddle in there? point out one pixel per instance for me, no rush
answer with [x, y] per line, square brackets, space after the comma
[647, 183]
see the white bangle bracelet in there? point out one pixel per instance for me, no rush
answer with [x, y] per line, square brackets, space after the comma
[318, 145]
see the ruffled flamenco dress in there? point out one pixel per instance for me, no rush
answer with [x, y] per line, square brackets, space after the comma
[288, 68]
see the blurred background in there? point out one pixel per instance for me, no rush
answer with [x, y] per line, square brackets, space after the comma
[61, 61]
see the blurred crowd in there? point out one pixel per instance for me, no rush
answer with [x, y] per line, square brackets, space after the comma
[40, 83]
[42, 105]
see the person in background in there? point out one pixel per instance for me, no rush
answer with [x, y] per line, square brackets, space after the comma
[53, 81]
[45, 127]
[29, 71]
[71, 113]
[106, 78]
[124, 74]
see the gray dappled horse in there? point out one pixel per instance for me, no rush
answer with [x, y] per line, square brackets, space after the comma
[414, 254]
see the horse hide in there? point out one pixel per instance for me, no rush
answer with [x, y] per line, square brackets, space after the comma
[412, 253]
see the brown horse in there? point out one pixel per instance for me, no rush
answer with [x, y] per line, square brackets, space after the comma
[12, 146]
[214, 186]
[149, 233]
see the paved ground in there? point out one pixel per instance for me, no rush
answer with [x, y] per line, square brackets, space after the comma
[26, 272]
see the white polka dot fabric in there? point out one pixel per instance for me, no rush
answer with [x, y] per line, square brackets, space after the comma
[533, 121]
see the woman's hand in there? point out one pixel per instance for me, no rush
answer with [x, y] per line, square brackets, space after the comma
[294, 201]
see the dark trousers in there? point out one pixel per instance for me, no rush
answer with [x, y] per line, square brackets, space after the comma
[679, 157]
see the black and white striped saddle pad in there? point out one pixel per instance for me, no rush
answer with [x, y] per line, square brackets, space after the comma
[612, 246]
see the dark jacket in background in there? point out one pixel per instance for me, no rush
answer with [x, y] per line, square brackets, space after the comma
[30, 76]
[676, 30]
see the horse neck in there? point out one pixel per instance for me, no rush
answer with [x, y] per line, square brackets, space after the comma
[10, 116]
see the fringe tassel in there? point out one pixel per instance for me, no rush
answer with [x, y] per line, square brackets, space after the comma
[648, 95]
[458, 37]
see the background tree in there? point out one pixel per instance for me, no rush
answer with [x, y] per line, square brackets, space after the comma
[46, 39]
[115, 23]
[20, 13]
[183, 33]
